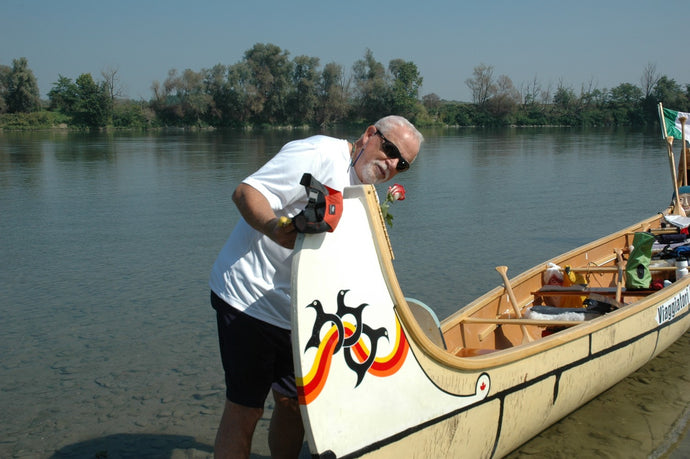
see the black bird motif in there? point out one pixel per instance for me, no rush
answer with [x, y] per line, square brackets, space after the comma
[322, 318]
[344, 310]
[361, 368]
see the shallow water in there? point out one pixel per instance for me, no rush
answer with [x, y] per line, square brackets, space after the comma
[108, 341]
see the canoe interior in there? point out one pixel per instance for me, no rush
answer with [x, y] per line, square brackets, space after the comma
[490, 323]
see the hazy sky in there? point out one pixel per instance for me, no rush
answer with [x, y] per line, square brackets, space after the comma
[605, 42]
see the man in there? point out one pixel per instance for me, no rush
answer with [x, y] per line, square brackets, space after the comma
[250, 280]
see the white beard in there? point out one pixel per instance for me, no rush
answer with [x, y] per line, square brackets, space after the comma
[370, 173]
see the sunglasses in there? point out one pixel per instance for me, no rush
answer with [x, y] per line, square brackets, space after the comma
[392, 151]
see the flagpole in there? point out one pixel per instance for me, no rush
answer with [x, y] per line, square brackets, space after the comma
[677, 207]
[663, 121]
[684, 152]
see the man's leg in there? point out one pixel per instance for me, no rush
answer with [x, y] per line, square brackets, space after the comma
[234, 436]
[286, 433]
[237, 334]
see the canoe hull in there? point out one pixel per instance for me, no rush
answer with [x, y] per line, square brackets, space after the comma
[373, 383]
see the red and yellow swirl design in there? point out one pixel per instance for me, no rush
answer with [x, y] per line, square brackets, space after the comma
[311, 384]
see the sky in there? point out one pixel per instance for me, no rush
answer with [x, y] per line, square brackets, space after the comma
[598, 44]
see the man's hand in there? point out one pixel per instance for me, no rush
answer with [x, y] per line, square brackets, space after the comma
[283, 233]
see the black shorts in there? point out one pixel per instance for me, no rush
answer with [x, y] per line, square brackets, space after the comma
[256, 356]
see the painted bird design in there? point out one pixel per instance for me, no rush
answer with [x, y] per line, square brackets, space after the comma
[361, 368]
[356, 312]
[323, 318]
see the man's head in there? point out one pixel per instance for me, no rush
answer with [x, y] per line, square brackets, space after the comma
[385, 149]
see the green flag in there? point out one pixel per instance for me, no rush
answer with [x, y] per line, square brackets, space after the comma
[670, 123]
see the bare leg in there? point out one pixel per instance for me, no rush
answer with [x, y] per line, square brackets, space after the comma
[234, 436]
[286, 433]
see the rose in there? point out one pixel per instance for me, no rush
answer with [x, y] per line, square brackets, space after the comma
[395, 193]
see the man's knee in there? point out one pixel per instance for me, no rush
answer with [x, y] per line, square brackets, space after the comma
[236, 429]
[284, 402]
[240, 416]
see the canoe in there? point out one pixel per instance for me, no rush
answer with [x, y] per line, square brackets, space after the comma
[379, 375]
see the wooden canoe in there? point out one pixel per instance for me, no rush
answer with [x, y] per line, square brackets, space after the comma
[379, 376]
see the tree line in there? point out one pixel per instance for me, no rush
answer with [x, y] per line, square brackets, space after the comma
[268, 88]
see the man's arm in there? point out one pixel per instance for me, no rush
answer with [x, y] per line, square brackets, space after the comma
[256, 210]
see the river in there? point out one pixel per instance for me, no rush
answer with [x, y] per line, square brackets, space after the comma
[108, 341]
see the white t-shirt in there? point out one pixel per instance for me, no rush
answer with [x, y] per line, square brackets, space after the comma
[252, 273]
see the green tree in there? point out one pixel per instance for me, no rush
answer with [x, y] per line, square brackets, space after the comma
[457, 114]
[593, 106]
[670, 93]
[625, 102]
[372, 93]
[131, 114]
[333, 95]
[565, 97]
[216, 86]
[269, 82]
[565, 104]
[625, 95]
[22, 88]
[303, 98]
[405, 88]
[166, 101]
[239, 76]
[4, 78]
[504, 100]
[432, 103]
[193, 97]
[183, 99]
[94, 106]
[63, 96]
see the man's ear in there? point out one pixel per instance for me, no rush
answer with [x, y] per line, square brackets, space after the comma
[371, 130]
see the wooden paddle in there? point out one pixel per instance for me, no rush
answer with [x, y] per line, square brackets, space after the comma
[620, 263]
[503, 270]
[678, 209]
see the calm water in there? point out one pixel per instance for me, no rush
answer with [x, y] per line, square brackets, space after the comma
[107, 340]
